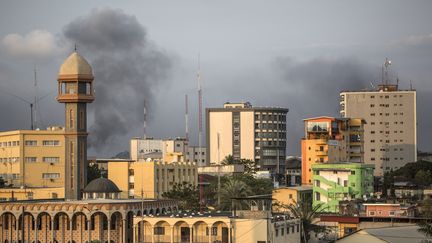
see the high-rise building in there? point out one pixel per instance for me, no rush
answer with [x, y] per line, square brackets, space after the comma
[330, 140]
[390, 132]
[247, 132]
[75, 89]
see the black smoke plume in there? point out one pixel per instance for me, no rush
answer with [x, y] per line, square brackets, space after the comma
[128, 68]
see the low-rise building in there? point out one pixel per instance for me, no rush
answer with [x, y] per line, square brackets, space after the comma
[388, 210]
[254, 225]
[150, 178]
[285, 196]
[31, 193]
[341, 181]
[221, 170]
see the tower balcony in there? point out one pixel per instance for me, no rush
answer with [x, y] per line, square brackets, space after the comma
[75, 98]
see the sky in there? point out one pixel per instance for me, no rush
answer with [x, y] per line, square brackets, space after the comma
[293, 54]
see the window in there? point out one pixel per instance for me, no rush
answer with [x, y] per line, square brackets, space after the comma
[317, 196]
[290, 196]
[372, 213]
[51, 143]
[391, 213]
[353, 172]
[51, 159]
[30, 143]
[30, 159]
[214, 231]
[159, 230]
[51, 175]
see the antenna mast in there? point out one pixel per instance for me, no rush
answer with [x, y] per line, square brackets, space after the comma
[35, 102]
[145, 120]
[200, 129]
[186, 118]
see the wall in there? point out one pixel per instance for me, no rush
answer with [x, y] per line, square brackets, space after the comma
[220, 122]
[247, 135]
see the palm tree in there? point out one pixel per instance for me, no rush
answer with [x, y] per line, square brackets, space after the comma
[306, 213]
[232, 188]
[229, 160]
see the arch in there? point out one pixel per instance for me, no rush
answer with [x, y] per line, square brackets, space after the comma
[151, 212]
[138, 213]
[201, 231]
[163, 211]
[61, 221]
[157, 211]
[116, 219]
[169, 210]
[145, 212]
[162, 231]
[219, 232]
[145, 232]
[181, 231]
[79, 219]
[101, 219]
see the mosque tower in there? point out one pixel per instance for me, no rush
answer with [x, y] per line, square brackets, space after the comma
[75, 90]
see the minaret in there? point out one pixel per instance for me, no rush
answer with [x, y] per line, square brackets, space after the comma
[75, 89]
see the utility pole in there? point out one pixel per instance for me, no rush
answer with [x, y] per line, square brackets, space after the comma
[218, 173]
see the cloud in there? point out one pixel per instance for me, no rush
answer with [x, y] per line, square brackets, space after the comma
[39, 44]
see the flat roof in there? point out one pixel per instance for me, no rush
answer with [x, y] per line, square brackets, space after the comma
[84, 201]
[297, 188]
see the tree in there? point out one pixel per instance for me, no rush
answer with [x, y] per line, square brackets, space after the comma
[232, 188]
[249, 166]
[93, 172]
[423, 178]
[306, 213]
[2, 182]
[228, 160]
[186, 194]
[426, 229]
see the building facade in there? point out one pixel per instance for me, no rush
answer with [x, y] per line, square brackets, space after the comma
[33, 158]
[150, 179]
[247, 132]
[335, 182]
[330, 140]
[167, 149]
[293, 170]
[390, 132]
[285, 196]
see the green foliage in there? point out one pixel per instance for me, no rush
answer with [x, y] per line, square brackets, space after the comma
[306, 213]
[249, 165]
[233, 187]
[423, 178]
[186, 194]
[426, 229]
[93, 172]
[410, 170]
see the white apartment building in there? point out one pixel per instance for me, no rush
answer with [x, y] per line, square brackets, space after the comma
[390, 132]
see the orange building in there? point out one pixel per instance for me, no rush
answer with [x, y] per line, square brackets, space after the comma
[330, 140]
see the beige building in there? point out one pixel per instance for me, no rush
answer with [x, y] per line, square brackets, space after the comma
[31, 193]
[330, 140]
[247, 132]
[170, 150]
[285, 196]
[151, 178]
[390, 132]
[33, 158]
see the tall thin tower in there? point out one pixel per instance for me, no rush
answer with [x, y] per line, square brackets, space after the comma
[145, 120]
[75, 90]
[199, 110]
[186, 118]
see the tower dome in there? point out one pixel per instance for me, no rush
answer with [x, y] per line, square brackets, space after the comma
[75, 66]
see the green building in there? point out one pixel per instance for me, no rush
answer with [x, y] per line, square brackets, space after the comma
[335, 182]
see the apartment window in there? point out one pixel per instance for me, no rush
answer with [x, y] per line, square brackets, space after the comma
[317, 183]
[372, 141]
[372, 96]
[372, 213]
[372, 114]
[131, 186]
[277, 232]
[372, 105]
[131, 172]
[372, 132]
[353, 172]
[373, 159]
[51, 143]
[51, 175]
[317, 196]
[51, 159]
[372, 123]
[30, 143]
[30, 159]
[372, 150]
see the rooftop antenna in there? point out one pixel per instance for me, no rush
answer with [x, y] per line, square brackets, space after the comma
[200, 128]
[75, 47]
[186, 118]
[145, 120]
[387, 63]
[411, 87]
[35, 102]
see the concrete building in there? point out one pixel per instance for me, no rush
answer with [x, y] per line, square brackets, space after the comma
[330, 140]
[335, 182]
[99, 217]
[247, 132]
[150, 178]
[388, 210]
[254, 225]
[390, 132]
[167, 150]
[293, 170]
[33, 158]
[286, 196]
